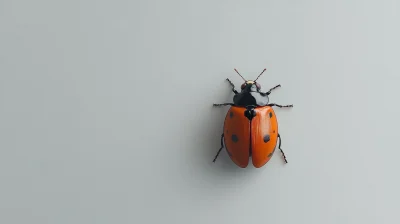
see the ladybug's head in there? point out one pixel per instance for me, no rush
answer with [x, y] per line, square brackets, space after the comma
[249, 85]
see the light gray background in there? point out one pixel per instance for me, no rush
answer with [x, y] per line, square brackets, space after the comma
[106, 112]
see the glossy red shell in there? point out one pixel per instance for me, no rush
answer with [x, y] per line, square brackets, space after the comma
[255, 139]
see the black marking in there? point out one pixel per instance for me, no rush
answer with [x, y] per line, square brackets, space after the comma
[270, 114]
[273, 131]
[250, 97]
[266, 138]
[250, 113]
[235, 138]
[231, 114]
[270, 155]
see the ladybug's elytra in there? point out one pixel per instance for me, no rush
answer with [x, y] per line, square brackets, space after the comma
[251, 126]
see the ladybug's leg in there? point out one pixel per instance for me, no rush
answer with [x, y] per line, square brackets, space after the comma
[233, 86]
[269, 92]
[274, 104]
[222, 146]
[279, 146]
[222, 104]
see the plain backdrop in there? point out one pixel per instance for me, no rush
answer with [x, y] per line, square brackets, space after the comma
[106, 111]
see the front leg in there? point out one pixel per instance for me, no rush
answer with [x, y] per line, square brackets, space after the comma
[222, 104]
[269, 92]
[233, 86]
[280, 106]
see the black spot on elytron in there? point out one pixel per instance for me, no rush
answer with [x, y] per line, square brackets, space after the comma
[235, 138]
[270, 114]
[273, 131]
[270, 155]
[266, 138]
[231, 114]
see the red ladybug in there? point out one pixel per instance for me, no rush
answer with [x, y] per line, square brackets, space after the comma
[250, 127]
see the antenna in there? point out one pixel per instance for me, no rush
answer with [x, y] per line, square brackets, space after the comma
[260, 74]
[240, 75]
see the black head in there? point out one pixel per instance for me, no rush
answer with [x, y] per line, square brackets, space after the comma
[250, 86]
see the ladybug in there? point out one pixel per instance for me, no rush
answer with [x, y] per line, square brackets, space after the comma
[250, 126]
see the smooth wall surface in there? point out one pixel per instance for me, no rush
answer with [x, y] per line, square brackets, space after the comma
[106, 111]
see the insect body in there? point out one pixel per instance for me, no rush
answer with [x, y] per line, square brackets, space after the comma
[250, 126]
